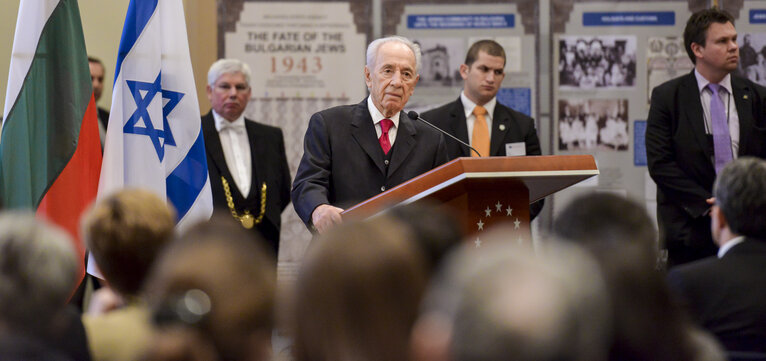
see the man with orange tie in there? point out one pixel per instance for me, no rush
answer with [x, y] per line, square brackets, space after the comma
[493, 128]
[354, 152]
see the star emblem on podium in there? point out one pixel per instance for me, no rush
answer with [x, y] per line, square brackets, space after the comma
[498, 208]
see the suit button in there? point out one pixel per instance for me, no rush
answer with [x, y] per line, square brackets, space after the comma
[383, 188]
[386, 161]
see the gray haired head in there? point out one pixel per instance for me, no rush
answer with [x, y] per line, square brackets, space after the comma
[372, 50]
[740, 192]
[38, 271]
[228, 66]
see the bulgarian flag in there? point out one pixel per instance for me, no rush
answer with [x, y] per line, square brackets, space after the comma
[50, 153]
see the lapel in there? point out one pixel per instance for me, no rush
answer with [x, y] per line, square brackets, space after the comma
[404, 143]
[213, 145]
[689, 94]
[257, 147]
[501, 124]
[459, 127]
[742, 99]
[363, 132]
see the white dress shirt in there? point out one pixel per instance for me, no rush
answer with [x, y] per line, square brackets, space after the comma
[377, 116]
[236, 150]
[470, 119]
[728, 104]
[728, 245]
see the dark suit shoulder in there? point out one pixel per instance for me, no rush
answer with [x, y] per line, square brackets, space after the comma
[501, 109]
[672, 85]
[339, 110]
[265, 128]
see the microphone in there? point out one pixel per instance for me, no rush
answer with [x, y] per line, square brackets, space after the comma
[414, 115]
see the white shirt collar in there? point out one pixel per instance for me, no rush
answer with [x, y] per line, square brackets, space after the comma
[729, 245]
[377, 116]
[702, 82]
[219, 121]
[468, 106]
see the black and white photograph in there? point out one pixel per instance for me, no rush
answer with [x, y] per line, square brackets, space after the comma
[593, 124]
[752, 57]
[596, 62]
[441, 59]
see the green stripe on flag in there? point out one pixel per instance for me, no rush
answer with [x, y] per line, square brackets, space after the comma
[41, 131]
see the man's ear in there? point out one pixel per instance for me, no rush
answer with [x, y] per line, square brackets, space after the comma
[367, 77]
[697, 49]
[209, 91]
[718, 218]
[464, 71]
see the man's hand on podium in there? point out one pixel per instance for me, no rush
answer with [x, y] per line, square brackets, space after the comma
[325, 216]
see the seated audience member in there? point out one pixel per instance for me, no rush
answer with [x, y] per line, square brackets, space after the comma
[647, 325]
[38, 271]
[504, 302]
[725, 294]
[125, 232]
[435, 229]
[212, 296]
[357, 294]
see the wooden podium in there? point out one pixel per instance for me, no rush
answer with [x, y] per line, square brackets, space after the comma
[486, 191]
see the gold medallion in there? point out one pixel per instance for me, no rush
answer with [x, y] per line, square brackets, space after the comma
[247, 221]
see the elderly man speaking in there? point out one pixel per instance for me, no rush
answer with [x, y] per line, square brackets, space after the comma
[354, 152]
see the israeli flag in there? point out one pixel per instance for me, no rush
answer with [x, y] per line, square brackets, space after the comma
[154, 137]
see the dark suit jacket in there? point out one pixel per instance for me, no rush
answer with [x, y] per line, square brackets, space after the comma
[727, 296]
[508, 126]
[103, 116]
[269, 164]
[343, 163]
[679, 155]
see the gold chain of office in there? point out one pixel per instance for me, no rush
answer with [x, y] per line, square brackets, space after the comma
[247, 219]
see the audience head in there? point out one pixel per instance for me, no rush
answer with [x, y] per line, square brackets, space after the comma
[697, 35]
[618, 232]
[435, 230]
[38, 271]
[212, 295]
[228, 87]
[391, 73]
[603, 222]
[740, 199]
[358, 293]
[506, 302]
[125, 233]
[97, 72]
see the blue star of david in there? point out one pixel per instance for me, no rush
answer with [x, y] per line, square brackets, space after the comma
[151, 89]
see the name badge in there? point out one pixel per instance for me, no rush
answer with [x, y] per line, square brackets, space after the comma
[513, 149]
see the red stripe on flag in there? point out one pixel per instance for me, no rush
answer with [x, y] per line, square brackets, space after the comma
[76, 187]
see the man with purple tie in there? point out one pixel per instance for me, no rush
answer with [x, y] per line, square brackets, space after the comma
[696, 124]
[354, 152]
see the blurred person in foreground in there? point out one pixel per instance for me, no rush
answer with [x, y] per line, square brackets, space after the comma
[725, 293]
[647, 325]
[125, 232]
[212, 296]
[357, 294]
[502, 301]
[38, 271]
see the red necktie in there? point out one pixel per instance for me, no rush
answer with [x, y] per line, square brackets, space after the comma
[385, 125]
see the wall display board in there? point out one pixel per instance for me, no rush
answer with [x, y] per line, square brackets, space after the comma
[446, 31]
[305, 57]
[608, 56]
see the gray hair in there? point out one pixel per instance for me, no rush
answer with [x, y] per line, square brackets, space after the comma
[372, 49]
[503, 301]
[740, 192]
[38, 271]
[228, 66]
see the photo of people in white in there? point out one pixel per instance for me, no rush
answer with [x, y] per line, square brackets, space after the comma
[587, 62]
[593, 124]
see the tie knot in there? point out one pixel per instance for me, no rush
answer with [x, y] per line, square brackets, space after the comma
[715, 88]
[479, 110]
[236, 126]
[386, 124]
